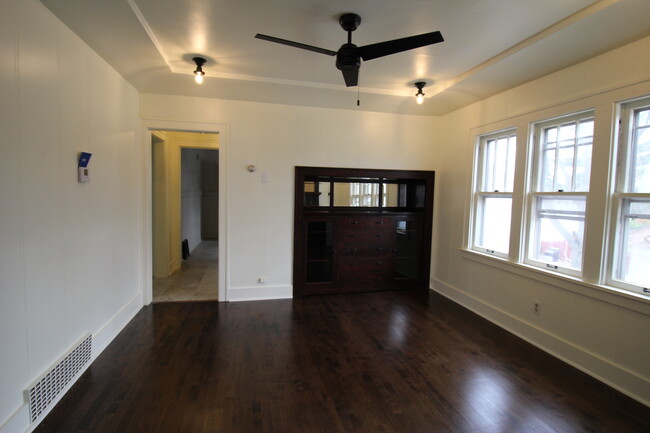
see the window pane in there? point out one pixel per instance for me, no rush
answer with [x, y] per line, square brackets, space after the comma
[634, 244]
[640, 158]
[494, 223]
[356, 194]
[551, 135]
[548, 170]
[488, 165]
[583, 168]
[564, 174]
[558, 231]
[498, 164]
[566, 156]
[586, 129]
[643, 117]
[510, 172]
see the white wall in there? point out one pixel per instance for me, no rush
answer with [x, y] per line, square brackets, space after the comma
[602, 332]
[70, 254]
[276, 138]
[191, 196]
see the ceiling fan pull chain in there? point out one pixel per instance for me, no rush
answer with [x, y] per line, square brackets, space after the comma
[358, 97]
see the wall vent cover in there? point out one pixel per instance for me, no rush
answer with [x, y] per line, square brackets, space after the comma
[46, 389]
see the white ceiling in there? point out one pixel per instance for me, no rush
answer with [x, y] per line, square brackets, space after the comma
[490, 46]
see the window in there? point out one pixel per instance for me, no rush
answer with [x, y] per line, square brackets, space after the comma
[558, 196]
[631, 200]
[495, 168]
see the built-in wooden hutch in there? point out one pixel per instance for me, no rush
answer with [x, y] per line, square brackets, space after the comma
[361, 229]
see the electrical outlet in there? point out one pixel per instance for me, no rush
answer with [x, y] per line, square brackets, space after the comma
[537, 307]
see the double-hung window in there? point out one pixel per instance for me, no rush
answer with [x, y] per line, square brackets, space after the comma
[631, 241]
[558, 192]
[495, 169]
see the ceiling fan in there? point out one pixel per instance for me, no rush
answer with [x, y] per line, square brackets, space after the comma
[348, 57]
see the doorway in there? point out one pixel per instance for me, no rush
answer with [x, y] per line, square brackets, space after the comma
[185, 216]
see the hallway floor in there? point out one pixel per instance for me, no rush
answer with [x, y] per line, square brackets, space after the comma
[196, 281]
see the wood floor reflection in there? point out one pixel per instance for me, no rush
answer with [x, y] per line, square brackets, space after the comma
[197, 280]
[398, 362]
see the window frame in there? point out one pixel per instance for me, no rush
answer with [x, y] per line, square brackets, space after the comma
[535, 193]
[480, 195]
[621, 197]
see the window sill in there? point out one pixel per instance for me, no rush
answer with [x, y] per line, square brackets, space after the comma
[612, 295]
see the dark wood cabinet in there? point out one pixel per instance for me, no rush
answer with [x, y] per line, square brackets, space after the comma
[361, 230]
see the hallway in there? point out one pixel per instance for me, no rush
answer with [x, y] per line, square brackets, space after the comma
[196, 281]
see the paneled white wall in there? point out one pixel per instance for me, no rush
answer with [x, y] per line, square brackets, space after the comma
[276, 138]
[70, 255]
[603, 333]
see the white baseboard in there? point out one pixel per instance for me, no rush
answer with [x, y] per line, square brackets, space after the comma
[19, 420]
[604, 370]
[259, 293]
[107, 333]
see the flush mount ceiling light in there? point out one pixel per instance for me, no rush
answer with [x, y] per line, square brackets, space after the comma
[419, 97]
[198, 72]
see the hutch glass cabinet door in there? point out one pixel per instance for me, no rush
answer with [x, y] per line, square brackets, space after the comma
[407, 248]
[319, 237]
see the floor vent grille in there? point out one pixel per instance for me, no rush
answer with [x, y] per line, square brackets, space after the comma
[47, 388]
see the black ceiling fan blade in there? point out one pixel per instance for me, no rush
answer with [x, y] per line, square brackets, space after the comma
[295, 44]
[351, 77]
[381, 49]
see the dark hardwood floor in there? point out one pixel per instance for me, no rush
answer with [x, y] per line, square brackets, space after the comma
[400, 362]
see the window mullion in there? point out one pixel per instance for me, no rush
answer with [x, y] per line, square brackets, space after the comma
[557, 160]
[575, 158]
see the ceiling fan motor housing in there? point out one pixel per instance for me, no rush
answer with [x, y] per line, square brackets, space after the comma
[347, 58]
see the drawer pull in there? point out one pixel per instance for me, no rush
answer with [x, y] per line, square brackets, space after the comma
[379, 235]
[355, 222]
[379, 222]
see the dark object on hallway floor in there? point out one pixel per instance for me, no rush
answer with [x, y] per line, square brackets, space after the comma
[399, 362]
[186, 249]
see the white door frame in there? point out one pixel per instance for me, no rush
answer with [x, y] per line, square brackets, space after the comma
[146, 128]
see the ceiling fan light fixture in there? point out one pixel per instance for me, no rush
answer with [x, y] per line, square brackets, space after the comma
[198, 72]
[349, 56]
[419, 96]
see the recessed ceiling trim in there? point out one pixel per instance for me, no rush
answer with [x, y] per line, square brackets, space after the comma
[312, 84]
[560, 25]
[147, 28]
